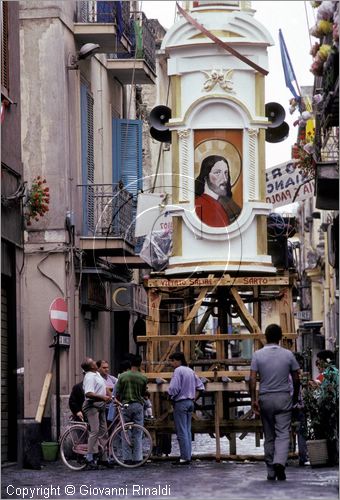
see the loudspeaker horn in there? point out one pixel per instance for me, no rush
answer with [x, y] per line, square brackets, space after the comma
[159, 116]
[275, 114]
[160, 135]
[277, 134]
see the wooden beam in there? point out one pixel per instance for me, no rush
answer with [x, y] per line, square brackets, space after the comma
[152, 323]
[207, 374]
[247, 318]
[218, 410]
[182, 332]
[241, 386]
[43, 397]
[209, 337]
[207, 426]
[204, 319]
[225, 280]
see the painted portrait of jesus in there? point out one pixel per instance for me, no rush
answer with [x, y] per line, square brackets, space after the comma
[214, 201]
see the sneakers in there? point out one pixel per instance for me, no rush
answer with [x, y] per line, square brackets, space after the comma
[302, 463]
[280, 472]
[182, 462]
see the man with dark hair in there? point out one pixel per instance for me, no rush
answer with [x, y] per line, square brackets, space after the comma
[214, 203]
[103, 368]
[76, 401]
[131, 389]
[274, 364]
[323, 358]
[182, 390]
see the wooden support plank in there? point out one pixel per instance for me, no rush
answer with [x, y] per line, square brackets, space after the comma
[244, 313]
[210, 337]
[241, 386]
[226, 280]
[43, 397]
[206, 425]
[152, 323]
[182, 332]
[257, 313]
[204, 319]
[207, 374]
[218, 410]
[286, 313]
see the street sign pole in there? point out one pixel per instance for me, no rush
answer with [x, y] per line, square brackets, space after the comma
[59, 321]
[57, 384]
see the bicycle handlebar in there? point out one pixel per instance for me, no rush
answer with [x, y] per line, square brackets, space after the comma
[118, 403]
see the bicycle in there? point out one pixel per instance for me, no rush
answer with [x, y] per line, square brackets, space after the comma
[122, 437]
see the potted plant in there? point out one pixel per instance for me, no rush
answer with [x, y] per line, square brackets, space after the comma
[37, 200]
[321, 406]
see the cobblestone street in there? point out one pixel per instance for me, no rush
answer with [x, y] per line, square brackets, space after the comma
[204, 479]
[201, 480]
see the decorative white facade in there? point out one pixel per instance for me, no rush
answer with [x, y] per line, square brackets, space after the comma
[218, 109]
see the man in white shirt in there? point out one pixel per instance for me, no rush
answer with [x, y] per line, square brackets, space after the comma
[94, 406]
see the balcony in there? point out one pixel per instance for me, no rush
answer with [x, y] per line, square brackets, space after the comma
[141, 61]
[125, 36]
[108, 220]
[103, 23]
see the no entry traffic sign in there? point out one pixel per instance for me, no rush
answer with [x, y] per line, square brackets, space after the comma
[58, 315]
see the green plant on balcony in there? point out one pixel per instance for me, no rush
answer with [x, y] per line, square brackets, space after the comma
[37, 200]
[302, 152]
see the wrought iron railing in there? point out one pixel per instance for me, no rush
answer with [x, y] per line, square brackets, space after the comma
[134, 25]
[108, 210]
[101, 11]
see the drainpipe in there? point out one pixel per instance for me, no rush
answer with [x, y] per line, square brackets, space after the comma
[326, 296]
[76, 331]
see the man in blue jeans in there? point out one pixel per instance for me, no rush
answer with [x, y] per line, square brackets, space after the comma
[182, 391]
[130, 390]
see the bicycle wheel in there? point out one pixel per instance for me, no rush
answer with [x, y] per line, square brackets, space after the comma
[73, 446]
[126, 450]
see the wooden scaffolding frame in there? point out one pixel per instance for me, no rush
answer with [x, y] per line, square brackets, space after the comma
[224, 293]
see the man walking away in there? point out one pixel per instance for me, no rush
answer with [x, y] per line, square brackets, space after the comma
[274, 364]
[182, 391]
[131, 389]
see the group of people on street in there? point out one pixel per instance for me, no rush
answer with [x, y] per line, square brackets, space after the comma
[278, 397]
[92, 400]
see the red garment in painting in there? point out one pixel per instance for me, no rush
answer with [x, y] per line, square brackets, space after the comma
[210, 211]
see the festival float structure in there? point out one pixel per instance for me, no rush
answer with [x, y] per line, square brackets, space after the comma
[216, 62]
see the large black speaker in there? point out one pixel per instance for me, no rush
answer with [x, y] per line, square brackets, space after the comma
[278, 250]
[160, 135]
[159, 116]
[278, 129]
[275, 113]
[277, 134]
